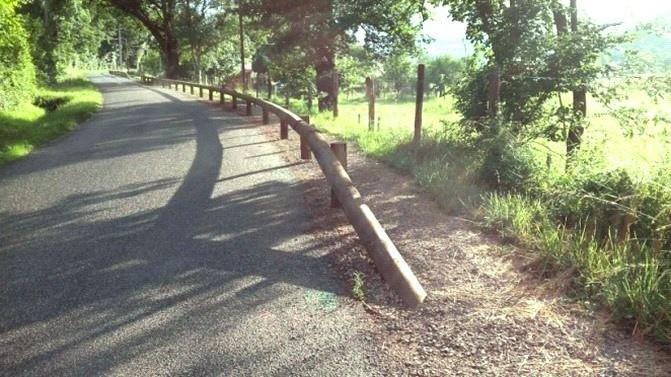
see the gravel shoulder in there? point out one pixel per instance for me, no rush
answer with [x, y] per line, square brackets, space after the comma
[168, 237]
[487, 313]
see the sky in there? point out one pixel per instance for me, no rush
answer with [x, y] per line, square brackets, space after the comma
[449, 36]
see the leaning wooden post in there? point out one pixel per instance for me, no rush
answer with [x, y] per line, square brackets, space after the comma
[340, 151]
[370, 93]
[284, 128]
[336, 89]
[493, 91]
[266, 116]
[305, 148]
[249, 108]
[419, 104]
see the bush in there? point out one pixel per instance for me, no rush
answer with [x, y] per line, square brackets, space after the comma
[17, 73]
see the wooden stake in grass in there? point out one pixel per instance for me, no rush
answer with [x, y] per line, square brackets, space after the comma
[370, 93]
[419, 104]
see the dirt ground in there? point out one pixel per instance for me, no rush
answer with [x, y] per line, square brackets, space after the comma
[487, 311]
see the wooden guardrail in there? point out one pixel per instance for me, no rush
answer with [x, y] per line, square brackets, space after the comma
[388, 260]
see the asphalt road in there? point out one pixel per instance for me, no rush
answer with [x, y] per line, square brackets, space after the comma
[166, 237]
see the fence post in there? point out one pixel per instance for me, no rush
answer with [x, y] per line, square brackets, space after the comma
[266, 117]
[370, 93]
[234, 102]
[183, 88]
[305, 148]
[221, 97]
[200, 91]
[336, 89]
[419, 104]
[284, 128]
[191, 89]
[249, 108]
[340, 151]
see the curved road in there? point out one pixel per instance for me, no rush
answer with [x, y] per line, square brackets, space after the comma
[166, 237]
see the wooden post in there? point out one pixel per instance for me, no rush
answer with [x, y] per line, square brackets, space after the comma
[370, 93]
[183, 88]
[221, 97]
[336, 88]
[249, 108]
[200, 91]
[493, 91]
[340, 151]
[419, 104]
[284, 129]
[191, 89]
[210, 90]
[234, 102]
[266, 117]
[305, 148]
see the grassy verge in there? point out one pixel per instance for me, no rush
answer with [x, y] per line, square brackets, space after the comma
[609, 224]
[56, 110]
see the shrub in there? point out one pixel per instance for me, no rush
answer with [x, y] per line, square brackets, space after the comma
[17, 73]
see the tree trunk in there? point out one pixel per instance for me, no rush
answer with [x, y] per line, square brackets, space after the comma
[161, 27]
[576, 130]
[325, 66]
[171, 56]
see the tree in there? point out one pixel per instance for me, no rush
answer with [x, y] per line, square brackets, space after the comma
[534, 61]
[17, 73]
[442, 73]
[323, 28]
[398, 71]
[199, 25]
[159, 17]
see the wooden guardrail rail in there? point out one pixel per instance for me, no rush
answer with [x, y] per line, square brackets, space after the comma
[388, 260]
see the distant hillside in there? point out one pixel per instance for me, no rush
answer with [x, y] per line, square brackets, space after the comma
[653, 44]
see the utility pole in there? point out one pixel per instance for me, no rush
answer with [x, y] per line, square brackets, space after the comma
[242, 50]
[120, 49]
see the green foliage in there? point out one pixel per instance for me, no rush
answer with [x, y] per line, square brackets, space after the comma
[399, 72]
[322, 30]
[17, 74]
[358, 290]
[65, 106]
[72, 34]
[443, 73]
[536, 57]
[632, 279]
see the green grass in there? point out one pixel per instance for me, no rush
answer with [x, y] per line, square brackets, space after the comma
[28, 126]
[358, 290]
[634, 280]
[570, 220]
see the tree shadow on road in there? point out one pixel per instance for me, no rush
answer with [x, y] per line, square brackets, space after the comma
[82, 283]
